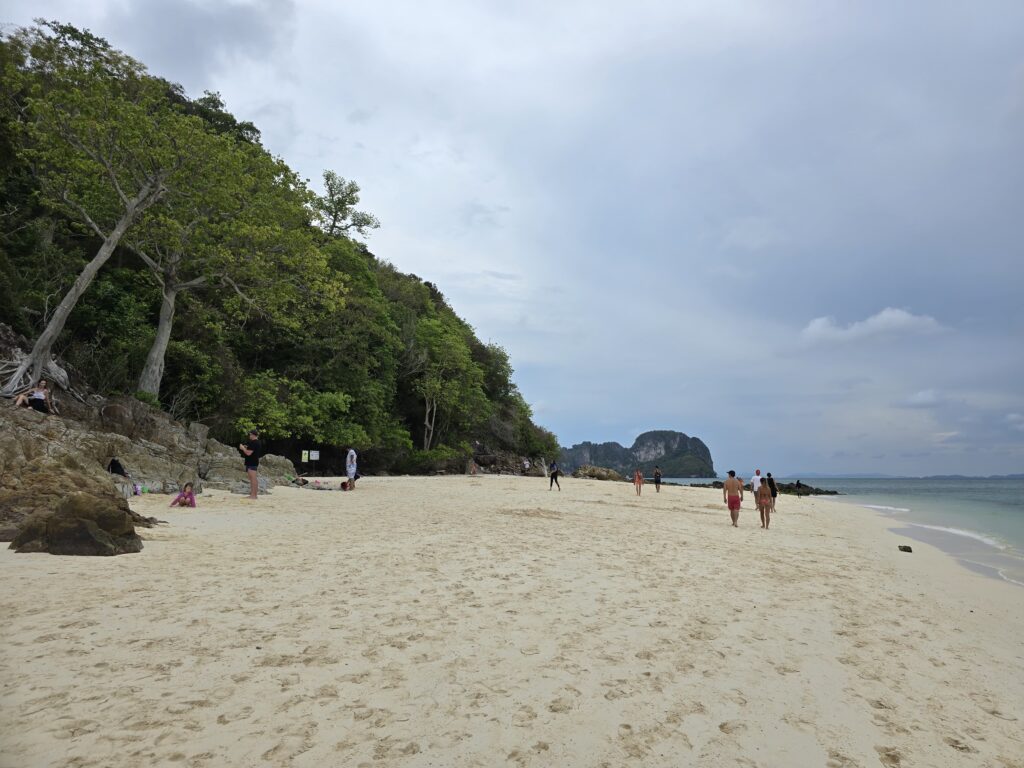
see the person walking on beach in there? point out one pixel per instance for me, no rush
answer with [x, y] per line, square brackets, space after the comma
[774, 488]
[351, 463]
[763, 498]
[554, 472]
[657, 479]
[250, 451]
[732, 494]
[755, 483]
[638, 481]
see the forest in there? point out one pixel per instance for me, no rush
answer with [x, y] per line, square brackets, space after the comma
[153, 245]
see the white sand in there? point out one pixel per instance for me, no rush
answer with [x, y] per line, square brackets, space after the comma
[487, 621]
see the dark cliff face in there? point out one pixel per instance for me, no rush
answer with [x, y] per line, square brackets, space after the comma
[677, 454]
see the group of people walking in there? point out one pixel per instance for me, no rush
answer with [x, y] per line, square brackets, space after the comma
[763, 489]
[639, 480]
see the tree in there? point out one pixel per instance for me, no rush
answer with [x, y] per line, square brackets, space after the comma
[231, 230]
[451, 383]
[104, 143]
[335, 212]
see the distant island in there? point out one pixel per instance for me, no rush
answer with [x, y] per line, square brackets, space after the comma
[677, 454]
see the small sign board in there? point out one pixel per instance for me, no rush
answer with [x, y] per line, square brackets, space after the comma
[305, 456]
[314, 455]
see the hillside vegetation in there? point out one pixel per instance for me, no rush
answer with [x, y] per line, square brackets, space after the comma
[149, 240]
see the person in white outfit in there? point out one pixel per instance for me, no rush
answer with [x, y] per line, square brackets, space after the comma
[350, 468]
[755, 482]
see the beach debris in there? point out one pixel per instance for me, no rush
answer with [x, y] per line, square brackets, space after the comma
[905, 548]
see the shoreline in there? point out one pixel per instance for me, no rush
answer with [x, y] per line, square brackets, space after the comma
[474, 621]
[969, 549]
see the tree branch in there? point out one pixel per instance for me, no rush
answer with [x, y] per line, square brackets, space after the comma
[83, 213]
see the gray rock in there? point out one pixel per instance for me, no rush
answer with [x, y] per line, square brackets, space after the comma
[81, 524]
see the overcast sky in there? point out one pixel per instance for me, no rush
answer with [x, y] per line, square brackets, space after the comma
[792, 229]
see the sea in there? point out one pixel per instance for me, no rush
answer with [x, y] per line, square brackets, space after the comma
[979, 521]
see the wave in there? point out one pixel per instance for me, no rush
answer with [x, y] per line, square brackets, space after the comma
[961, 532]
[884, 508]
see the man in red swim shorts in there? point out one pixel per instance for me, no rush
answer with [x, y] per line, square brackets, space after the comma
[732, 494]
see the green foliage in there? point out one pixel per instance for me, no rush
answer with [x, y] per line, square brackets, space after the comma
[283, 408]
[148, 399]
[441, 459]
[281, 319]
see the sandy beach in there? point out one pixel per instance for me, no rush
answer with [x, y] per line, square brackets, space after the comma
[485, 621]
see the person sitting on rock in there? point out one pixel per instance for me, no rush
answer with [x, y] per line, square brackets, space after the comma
[38, 398]
[187, 497]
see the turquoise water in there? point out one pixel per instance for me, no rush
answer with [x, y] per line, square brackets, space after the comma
[977, 520]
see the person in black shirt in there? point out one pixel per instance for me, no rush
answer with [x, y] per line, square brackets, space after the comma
[554, 472]
[774, 489]
[250, 451]
[657, 479]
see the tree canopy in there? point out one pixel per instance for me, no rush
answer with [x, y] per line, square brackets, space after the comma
[150, 241]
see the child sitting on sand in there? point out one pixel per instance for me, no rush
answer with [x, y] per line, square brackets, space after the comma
[186, 498]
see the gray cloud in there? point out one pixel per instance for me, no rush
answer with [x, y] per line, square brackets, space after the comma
[792, 231]
[887, 322]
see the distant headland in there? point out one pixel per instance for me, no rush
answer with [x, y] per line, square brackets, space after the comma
[677, 454]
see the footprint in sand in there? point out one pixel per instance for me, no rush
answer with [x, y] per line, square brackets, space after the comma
[889, 756]
[959, 745]
[524, 717]
[732, 726]
[839, 760]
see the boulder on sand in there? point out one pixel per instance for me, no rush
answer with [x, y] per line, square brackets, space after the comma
[81, 524]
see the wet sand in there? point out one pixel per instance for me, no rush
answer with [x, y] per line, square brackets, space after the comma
[483, 621]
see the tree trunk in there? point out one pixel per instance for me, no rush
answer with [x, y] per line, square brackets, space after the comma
[153, 372]
[428, 422]
[40, 354]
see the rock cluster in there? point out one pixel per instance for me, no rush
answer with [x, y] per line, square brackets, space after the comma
[596, 473]
[44, 458]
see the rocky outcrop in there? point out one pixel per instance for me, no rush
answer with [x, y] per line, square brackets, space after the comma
[791, 489]
[81, 524]
[677, 454]
[802, 489]
[45, 458]
[596, 473]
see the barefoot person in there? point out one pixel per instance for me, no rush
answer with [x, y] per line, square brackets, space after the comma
[250, 451]
[38, 398]
[755, 483]
[351, 463]
[763, 497]
[732, 494]
[657, 479]
[187, 497]
[554, 473]
[638, 481]
[775, 489]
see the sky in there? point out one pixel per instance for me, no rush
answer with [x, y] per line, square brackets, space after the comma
[792, 229]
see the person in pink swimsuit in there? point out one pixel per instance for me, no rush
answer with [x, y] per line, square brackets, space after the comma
[187, 497]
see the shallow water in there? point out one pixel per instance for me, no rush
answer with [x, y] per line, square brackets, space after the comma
[980, 521]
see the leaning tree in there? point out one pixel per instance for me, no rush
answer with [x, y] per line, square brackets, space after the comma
[105, 143]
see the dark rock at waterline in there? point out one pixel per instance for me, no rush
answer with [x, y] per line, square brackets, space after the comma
[791, 489]
[905, 548]
[81, 524]
[802, 489]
